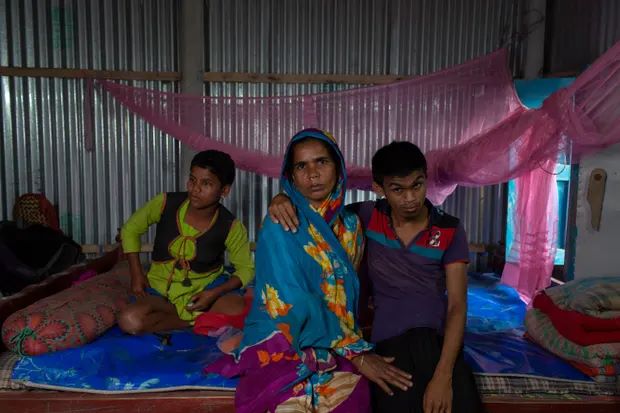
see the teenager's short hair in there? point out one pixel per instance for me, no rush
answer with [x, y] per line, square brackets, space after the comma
[219, 163]
[288, 168]
[397, 159]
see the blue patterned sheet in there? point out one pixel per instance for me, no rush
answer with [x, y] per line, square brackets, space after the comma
[494, 342]
[117, 362]
[492, 306]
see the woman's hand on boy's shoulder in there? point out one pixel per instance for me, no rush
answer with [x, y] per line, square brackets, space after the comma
[282, 211]
[380, 370]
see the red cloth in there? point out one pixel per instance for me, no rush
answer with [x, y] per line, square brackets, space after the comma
[579, 328]
[610, 370]
[211, 321]
[36, 209]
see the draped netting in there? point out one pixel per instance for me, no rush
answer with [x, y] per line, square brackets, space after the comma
[467, 119]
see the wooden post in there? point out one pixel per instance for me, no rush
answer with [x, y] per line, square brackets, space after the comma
[192, 72]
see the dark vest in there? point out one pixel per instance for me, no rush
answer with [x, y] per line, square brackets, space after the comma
[210, 246]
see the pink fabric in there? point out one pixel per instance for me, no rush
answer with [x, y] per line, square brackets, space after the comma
[467, 119]
[435, 111]
[86, 275]
[530, 262]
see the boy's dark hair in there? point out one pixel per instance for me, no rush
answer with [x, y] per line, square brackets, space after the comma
[288, 169]
[219, 163]
[397, 159]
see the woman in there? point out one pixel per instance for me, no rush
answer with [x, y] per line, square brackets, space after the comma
[302, 349]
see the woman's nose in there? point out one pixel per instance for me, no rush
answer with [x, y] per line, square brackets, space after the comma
[313, 172]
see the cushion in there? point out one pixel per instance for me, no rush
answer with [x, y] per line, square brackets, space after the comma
[69, 318]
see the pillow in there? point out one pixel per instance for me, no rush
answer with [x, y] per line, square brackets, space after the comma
[597, 296]
[69, 318]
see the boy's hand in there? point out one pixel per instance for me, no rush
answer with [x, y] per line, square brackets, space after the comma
[282, 211]
[380, 370]
[203, 300]
[139, 284]
[438, 395]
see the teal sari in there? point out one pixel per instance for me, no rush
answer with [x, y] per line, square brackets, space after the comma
[301, 332]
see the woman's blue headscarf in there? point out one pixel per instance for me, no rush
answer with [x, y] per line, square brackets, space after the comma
[306, 284]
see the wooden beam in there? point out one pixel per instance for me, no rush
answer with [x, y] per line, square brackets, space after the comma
[69, 402]
[145, 248]
[88, 74]
[35, 401]
[242, 77]
[90, 248]
[477, 248]
[239, 77]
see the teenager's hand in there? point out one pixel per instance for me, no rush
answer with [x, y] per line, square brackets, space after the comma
[139, 283]
[203, 300]
[438, 395]
[380, 370]
[282, 212]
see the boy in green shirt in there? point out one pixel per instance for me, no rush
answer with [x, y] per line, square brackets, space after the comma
[193, 231]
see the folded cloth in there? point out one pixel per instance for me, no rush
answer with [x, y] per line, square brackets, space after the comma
[607, 373]
[541, 330]
[598, 297]
[211, 321]
[577, 327]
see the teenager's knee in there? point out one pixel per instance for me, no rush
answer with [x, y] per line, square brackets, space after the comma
[465, 392]
[230, 304]
[131, 321]
[466, 401]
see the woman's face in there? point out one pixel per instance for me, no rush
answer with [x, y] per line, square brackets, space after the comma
[314, 172]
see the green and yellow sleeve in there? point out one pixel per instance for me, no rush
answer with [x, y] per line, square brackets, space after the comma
[238, 248]
[139, 223]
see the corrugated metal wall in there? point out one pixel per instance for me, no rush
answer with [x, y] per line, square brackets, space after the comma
[580, 31]
[608, 31]
[41, 119]
[400, 37]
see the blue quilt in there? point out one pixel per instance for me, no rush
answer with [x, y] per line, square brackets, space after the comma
[117, 362]
[492, 306]
[494, 342]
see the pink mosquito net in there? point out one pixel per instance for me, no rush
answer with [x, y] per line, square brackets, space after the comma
[467, 119]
